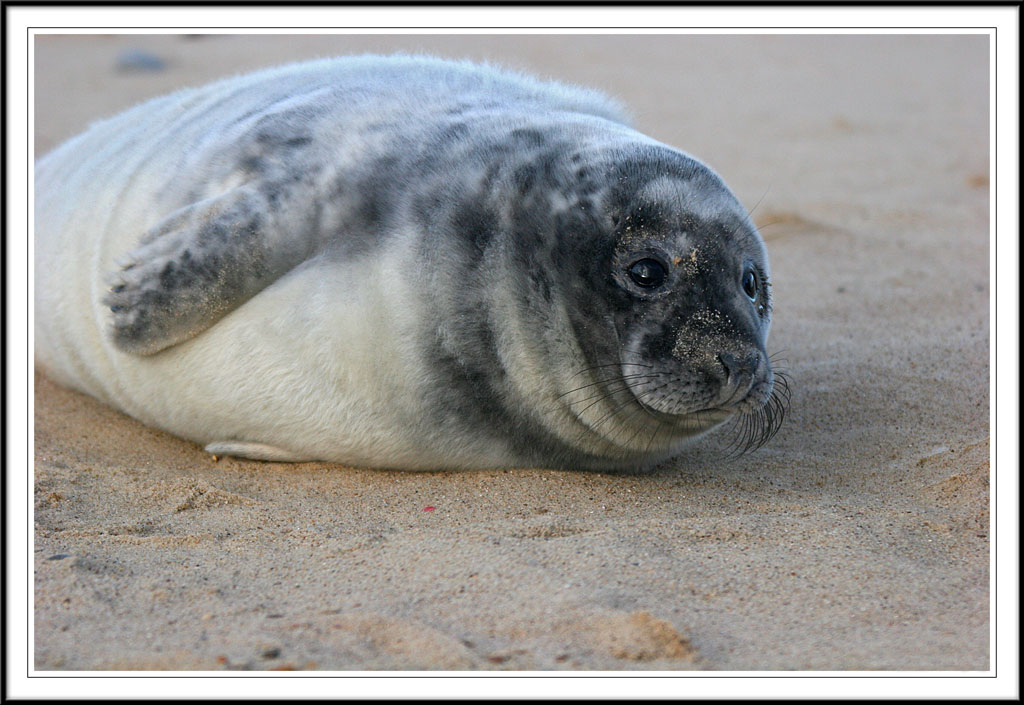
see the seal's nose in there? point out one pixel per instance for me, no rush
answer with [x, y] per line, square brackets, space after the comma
[739, 374]
[735, 365]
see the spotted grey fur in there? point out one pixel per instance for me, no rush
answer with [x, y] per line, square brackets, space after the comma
[399, 262]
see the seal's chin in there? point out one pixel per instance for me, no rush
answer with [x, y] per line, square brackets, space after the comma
[691, 423]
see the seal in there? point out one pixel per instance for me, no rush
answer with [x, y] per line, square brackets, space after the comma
[402, 262]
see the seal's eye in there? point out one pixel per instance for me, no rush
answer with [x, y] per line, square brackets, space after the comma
[648, 273]
[750, 284]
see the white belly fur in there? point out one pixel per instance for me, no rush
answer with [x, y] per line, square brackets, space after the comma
[308, 363]
[317, 361]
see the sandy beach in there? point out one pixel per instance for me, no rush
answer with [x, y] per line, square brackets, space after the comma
[857, 539]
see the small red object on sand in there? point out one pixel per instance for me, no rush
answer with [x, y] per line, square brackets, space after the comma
[428, 509]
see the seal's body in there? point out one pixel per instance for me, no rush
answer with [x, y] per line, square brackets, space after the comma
[401, 263]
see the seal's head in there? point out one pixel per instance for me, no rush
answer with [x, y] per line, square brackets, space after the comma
[607, 299]
[667, 288]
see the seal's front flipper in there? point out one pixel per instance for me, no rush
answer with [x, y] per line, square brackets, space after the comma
[197, 265]
[254, 451]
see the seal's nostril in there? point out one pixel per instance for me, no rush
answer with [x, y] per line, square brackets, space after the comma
[728, 363]
[739, 366]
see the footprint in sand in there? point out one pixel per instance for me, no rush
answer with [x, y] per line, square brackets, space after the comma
[191, 493]
[638, 636]
[366, 640]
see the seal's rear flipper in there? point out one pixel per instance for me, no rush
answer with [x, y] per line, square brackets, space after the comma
[254, 451]
[197, 265]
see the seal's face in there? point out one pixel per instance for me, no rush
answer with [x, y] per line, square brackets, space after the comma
[682, 344]
[696, 311]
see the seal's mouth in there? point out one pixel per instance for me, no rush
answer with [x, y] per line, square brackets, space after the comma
[756, 406]
[746, 394]
[755, 426]
[680, 394]
[649, 409]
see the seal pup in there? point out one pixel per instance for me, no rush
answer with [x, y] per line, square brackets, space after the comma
[401, 262]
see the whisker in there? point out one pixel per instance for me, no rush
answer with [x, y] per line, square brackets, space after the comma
[603, 381]
[629, 418]
[770, 223]
[750, 213]
[613, 412]
[605, 395]
[657, 430]
[645, 410]
[753, 429]
[733, 449]
[610, 364]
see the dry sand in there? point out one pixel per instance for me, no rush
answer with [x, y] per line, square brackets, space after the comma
[857, 539]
